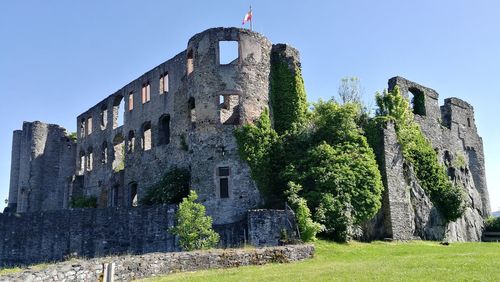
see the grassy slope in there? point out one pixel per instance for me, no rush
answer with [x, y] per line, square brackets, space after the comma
[376, 261]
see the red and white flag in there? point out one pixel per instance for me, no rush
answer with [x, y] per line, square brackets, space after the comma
[248, 17]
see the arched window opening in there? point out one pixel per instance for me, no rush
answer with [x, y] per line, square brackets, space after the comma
[104, 116]
[164, 124]
[118, 111]
[133, 200]
[131, 141]
[146, 136]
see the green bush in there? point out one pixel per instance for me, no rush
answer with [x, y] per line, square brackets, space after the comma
[307, 227]
[492, 224]
[193, 226]
[172, 187]
[83, 202]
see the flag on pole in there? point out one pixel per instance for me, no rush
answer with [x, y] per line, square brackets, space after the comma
[248, 18]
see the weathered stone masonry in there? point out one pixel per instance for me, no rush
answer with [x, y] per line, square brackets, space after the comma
[181, 113]
[407, 211]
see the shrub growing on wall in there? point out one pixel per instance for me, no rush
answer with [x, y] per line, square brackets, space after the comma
[83, 202]
[418, 151]
[193, 226]
[172, 187]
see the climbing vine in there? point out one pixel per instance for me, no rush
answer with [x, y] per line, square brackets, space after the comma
[287, 94]
[418, 151]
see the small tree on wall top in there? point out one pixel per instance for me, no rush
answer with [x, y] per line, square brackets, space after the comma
[194, 227]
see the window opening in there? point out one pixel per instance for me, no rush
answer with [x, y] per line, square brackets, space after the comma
[164, 129]
[131, 141]
[118, 112]
[190, 66]
[223, 173]
[146, 136]
[130, 101]
[228, 52]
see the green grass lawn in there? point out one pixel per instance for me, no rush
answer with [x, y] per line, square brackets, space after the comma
[377, 261]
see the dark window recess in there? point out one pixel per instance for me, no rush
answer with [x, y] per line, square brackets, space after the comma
[224, 171]
[224, 188]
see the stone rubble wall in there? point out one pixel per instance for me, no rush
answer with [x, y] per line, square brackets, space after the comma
[129, 267]
[407, 211]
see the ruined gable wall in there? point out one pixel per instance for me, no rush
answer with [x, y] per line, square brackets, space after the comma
[453, 137]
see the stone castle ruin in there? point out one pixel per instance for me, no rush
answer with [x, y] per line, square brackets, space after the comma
[183, 113]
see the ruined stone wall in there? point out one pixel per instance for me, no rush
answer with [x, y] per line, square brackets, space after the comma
[266, 227]
[129, 268]
[408, 211]
[204, 103]
[43, 159]
[29, 238]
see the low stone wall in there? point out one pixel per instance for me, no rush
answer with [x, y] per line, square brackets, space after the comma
[128, 268]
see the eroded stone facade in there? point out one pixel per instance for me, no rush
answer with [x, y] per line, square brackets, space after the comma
[181, 113]
[407, 211]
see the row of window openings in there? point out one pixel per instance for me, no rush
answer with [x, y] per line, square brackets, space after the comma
[113, 199]
[146, 144]
[86, 125]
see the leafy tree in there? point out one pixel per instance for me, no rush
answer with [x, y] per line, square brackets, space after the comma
[172, 187]
[194, 227]
[350, 90]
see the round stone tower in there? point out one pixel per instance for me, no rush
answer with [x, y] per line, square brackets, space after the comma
[223, 95]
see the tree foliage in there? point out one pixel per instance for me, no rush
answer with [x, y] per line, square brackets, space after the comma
[350, 90]
[170, 189]
[194, 227]
[418, 151]
[83, 202]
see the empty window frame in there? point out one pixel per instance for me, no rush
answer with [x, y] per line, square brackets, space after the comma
[468, 122]
[131, 141]
[146, 136]
[118, 153]
[417, 99]
[89, 125]
[83, 127]
[90, 159]
[164, 87]
[229, 109]
[164, 130]
[133, 201]
[81, 164]
[228, 52]
[118, 111]
[113, 196]
[146, 92]
[104, 153]
[130, 101]
[192, 110]
[223, 174]
[103, 116]
[190, 63]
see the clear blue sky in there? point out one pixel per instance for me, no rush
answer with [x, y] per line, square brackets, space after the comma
[58, 58]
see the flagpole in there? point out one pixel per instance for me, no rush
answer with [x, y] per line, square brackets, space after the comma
[251, 13]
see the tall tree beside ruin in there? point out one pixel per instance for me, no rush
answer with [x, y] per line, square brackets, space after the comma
[350, 90]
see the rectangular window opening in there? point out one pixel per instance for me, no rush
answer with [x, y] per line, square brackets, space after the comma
[228, 52]
[131, 101]
[229, 109]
